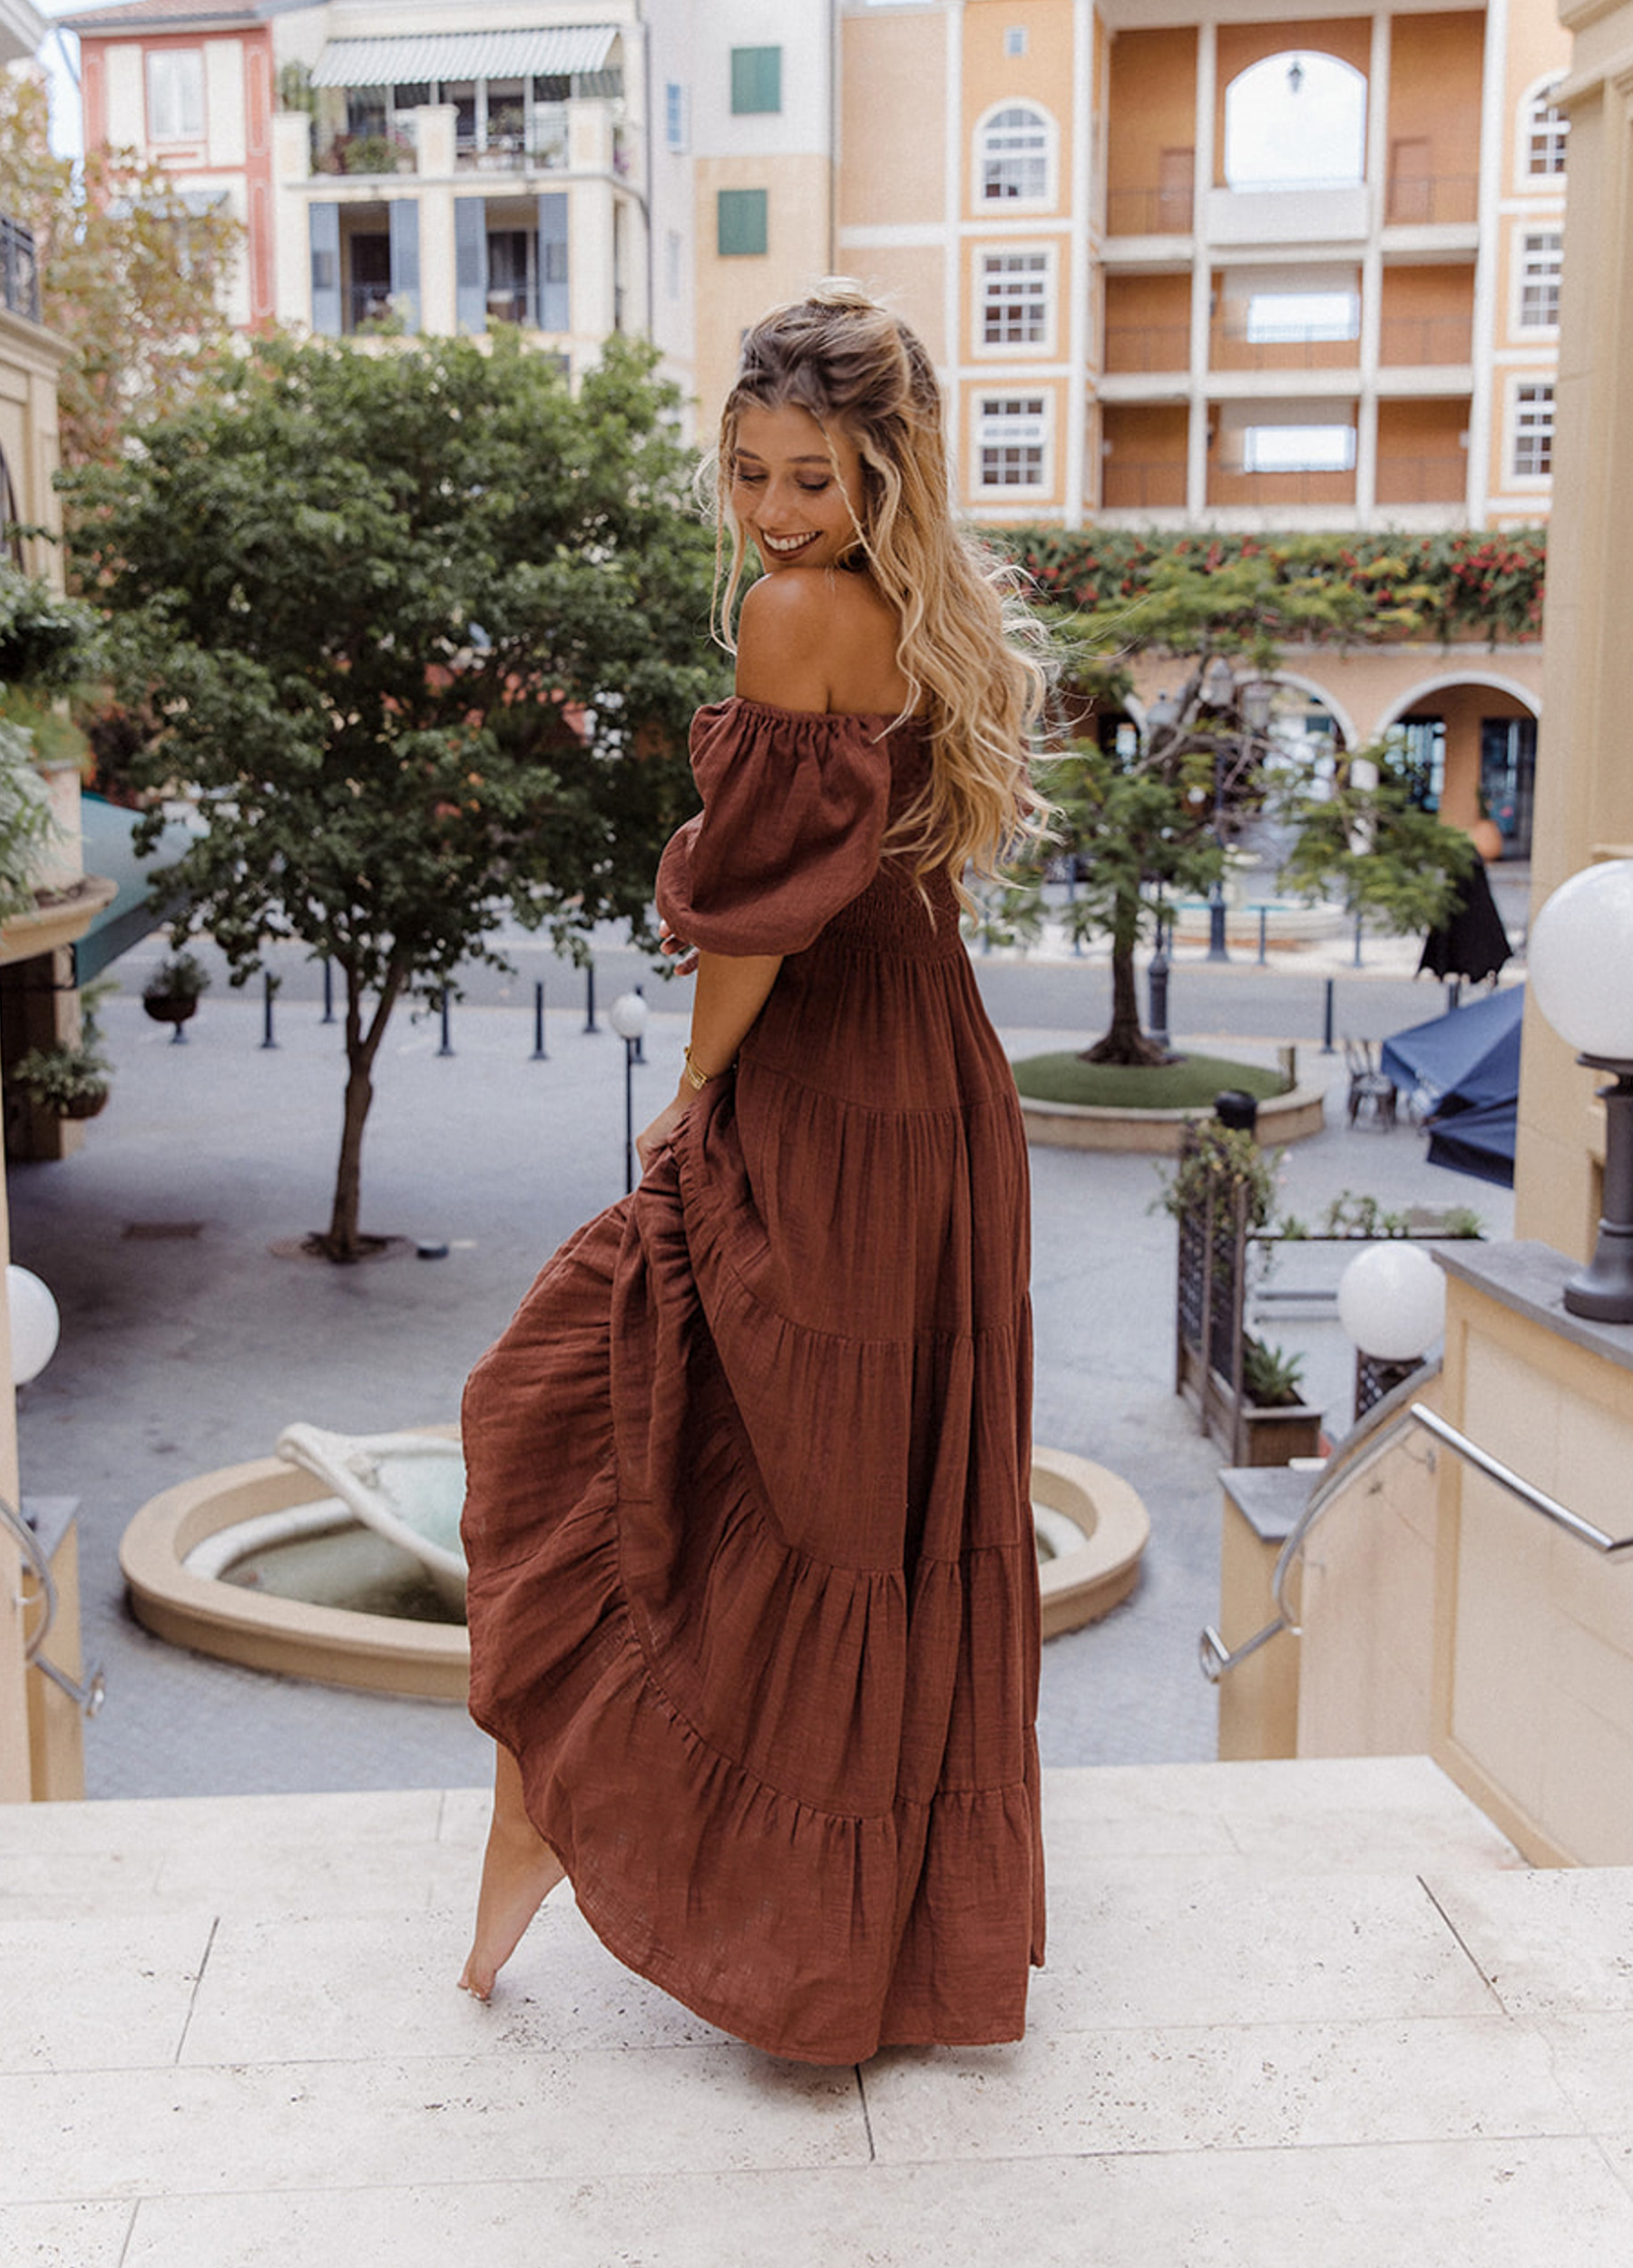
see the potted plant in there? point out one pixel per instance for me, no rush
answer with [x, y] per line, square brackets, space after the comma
[72, 1082]
[1276, 1424]
[171, 994]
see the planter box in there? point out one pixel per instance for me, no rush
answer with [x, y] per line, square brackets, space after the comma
[1276, 1436]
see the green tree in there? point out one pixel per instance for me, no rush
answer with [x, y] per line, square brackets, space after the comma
[423, 629]
[128, 274]
[1150, 815]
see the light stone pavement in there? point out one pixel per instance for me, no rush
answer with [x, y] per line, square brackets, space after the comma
[181, 1352]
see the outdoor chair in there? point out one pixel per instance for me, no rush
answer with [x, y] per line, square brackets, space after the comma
[1372, 1093]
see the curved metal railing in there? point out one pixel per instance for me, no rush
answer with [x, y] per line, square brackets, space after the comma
[88, 1696]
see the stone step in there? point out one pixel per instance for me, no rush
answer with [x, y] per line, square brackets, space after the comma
[1292, 2013]
[354, 1855]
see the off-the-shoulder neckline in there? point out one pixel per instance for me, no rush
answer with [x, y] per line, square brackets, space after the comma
[888, 717]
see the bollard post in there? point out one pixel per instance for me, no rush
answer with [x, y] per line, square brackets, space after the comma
[1263, 915]
[1455, 994]
[328, 991]
[539, 1054]
[1157, 978]
[1358, 921]
[641, 1036]
[590, 1022]
[447, 1044]
[270, 982]
[1326, 1022]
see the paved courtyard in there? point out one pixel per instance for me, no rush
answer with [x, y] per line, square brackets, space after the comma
[186, 1344]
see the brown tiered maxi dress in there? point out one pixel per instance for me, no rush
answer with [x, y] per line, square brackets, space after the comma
[753, 1593]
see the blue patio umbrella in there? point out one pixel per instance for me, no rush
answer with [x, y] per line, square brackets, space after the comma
[1466, 1067]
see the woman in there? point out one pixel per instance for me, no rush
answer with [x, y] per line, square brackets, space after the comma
[753, 1595]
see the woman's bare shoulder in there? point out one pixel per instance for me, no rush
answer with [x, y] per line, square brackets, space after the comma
[808, 638]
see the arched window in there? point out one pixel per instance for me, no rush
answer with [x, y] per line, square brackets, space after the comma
[1014, 149]
[1547, 130]
[1295, 120]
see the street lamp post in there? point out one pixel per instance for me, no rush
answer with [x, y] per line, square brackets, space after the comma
[1219, 686]
[628, 1017]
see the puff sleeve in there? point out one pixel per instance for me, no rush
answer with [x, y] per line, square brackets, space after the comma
[794, 812]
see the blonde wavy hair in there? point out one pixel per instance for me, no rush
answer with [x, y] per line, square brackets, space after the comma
[966, 640]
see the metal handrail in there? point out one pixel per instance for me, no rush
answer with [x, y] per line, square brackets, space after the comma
[88, 1695]
[1216, 1658]
[1585, 1532]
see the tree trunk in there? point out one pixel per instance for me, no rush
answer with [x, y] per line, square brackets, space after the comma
[1124, 1042]
[343, 1241]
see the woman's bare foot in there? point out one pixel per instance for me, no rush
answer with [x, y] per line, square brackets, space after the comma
[519, 1871]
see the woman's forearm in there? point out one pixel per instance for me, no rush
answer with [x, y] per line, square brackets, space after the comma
[731, 990]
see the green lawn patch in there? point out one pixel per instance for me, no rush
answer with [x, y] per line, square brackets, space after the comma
[1193, 1079]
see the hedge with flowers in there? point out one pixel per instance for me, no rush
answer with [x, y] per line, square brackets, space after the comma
[1465, 585]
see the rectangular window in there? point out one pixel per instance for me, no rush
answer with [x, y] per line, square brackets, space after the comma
[1545, 142]
[175, 95]
[674, 116]
[740, 222]
[1533, 431]
[1298, 449]
[1014, 299]
[1540, 260]
[1012, 438]
[756, 80]
[1014, 40]
[1276, 319]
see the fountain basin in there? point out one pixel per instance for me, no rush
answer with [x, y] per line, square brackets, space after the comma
[206, 1564]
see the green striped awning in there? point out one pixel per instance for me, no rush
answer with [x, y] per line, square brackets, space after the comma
[557, 52]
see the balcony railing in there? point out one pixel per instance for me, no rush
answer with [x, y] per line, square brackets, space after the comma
[1232, 349]
[1127, 486]
[1426, 200]
[1276, 489]
[19, 270]
[1136, 347]
[1423, 479]
[1163, 211]
[510, 154]
[1433, 338]
[366, 153]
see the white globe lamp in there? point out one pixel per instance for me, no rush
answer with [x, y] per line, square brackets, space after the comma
[1580, 960]
[627, 1016]
[1392, 1301]
[34, 1323]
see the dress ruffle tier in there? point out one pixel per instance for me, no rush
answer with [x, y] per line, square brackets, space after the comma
[753, 1590]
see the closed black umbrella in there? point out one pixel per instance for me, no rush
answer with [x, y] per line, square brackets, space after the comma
[1472, 942]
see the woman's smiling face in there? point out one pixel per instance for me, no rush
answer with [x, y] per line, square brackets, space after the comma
[796, 489]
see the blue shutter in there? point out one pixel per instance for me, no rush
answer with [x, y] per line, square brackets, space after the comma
[555, 303]
[470, 263]
[741, 224]
[324, 222]
[404, 259]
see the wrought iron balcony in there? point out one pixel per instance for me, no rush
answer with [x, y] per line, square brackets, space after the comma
[19, 270]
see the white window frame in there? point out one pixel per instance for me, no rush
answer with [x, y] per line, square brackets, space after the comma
[1250, 434]
[986, 126]
[1000, 284]
[1019, 418]
[166, 93]
[1523, 429]
[1528, 277]
[1537, 132]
